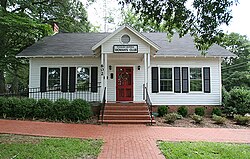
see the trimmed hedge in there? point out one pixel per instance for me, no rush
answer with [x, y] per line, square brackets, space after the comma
[199, 111]
[29, 108]
[162, 110]
[183, 110]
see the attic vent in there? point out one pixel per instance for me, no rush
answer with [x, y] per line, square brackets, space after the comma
[125, 39]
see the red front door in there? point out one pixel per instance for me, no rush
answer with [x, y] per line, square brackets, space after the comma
[124, 83]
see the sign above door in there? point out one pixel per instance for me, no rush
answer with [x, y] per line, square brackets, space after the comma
[125, 48]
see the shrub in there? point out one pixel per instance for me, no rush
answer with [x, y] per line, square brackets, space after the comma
[172, 117]
[218, 119]
[162, 110]
[241, 120]
[3, 108]
[199, 111]
[61, 109]
[183, 110]
[13, 107]
[216, 111]
[27, 106]
[79, 110]
[44, 109]
[238, 102]
[197, 118]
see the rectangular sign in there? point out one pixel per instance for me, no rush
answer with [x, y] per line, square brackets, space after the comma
[125, 48]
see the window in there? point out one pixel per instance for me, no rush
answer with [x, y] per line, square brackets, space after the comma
[125, 39]
[166, 79]
[82, 78]
[195, 79]
[54, 79]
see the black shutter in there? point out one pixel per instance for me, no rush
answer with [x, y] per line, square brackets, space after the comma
[94, 79]
[64, 79]
[72, 79]
[177, 80]
[206, 76]
[43, 79]
[155, 81]
[184, 79]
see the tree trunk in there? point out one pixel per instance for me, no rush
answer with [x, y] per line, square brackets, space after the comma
[2, 82]
[15, 80]
[4, 4]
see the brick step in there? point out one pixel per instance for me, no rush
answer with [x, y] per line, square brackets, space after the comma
[127, 121]
[126, 117]
[126, 104]
[125, 112]
[126, 107]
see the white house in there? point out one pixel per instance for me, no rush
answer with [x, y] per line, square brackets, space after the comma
[81, 65]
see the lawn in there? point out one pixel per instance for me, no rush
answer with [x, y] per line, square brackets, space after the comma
[23, 147]
[207, 150]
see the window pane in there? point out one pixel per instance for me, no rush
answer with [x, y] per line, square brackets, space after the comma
[54, 78]
[83, 78]
[166, 73]
[195, 79]
[166, 85]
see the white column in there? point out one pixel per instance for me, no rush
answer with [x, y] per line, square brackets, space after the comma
[148, 70]
[102, 75]
[106, 74]
[145, 69]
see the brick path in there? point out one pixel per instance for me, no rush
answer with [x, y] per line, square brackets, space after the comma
[126, 141]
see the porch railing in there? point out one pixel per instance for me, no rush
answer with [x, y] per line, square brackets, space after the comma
[149, 103]
[103, 103]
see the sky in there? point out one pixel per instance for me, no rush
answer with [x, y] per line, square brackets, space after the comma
[239, 24]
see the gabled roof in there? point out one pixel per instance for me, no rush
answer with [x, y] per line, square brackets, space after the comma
[148, 41]
[81, 44]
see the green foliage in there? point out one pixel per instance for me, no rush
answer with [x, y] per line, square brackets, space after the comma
[238, 102]
[61, 109]
[25, 147]
[216, 111]
[219, 119]
[183, 110]
[172, 117]
[197, 118]
[26, 108]
[206, 150]
[242, 120]
[3, 107]
[80, 110]
[162, 110]
[44, 109]
[199, 111]
[14, 107]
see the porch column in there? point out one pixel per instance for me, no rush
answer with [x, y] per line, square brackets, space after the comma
[148, 70]
[145, 70]
[106, 74]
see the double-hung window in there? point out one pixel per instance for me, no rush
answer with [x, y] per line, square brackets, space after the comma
[54, 78]
[195, 79]
[166, 81]
[83, 78]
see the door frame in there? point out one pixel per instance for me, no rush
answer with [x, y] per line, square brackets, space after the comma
[133, 67]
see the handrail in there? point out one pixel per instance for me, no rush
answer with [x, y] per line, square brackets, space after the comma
[149, 104]
[103, 102]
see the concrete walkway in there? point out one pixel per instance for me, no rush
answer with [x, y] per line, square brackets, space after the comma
[126, 141]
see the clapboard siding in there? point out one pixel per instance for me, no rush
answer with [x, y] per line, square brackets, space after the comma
[190, 98]
[143, 47]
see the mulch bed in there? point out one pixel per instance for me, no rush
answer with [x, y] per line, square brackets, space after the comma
[207, 123]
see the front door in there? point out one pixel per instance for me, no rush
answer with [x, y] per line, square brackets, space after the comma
[124, 83]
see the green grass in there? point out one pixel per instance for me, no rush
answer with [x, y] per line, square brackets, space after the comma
[204, 150]
[23, 147]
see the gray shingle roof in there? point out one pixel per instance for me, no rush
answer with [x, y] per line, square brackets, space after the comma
[80, 44]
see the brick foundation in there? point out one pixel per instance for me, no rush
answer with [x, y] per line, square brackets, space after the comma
[191, 108]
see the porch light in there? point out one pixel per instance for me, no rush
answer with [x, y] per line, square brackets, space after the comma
[139, 67]
[110, 67]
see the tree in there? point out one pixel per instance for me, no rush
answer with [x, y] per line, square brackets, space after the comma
[202, 21]
[235, 70]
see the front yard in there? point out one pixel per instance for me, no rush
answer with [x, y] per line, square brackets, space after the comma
[22, 147]
[207, 150]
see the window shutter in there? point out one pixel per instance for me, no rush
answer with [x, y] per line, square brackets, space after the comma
[206, 76]
[72, 79]
[94, 79]
[64, 80]
[155, 81]
[43, 79]
[184, 79]
[177, 80]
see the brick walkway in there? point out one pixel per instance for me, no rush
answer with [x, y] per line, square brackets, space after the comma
[125, 141]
